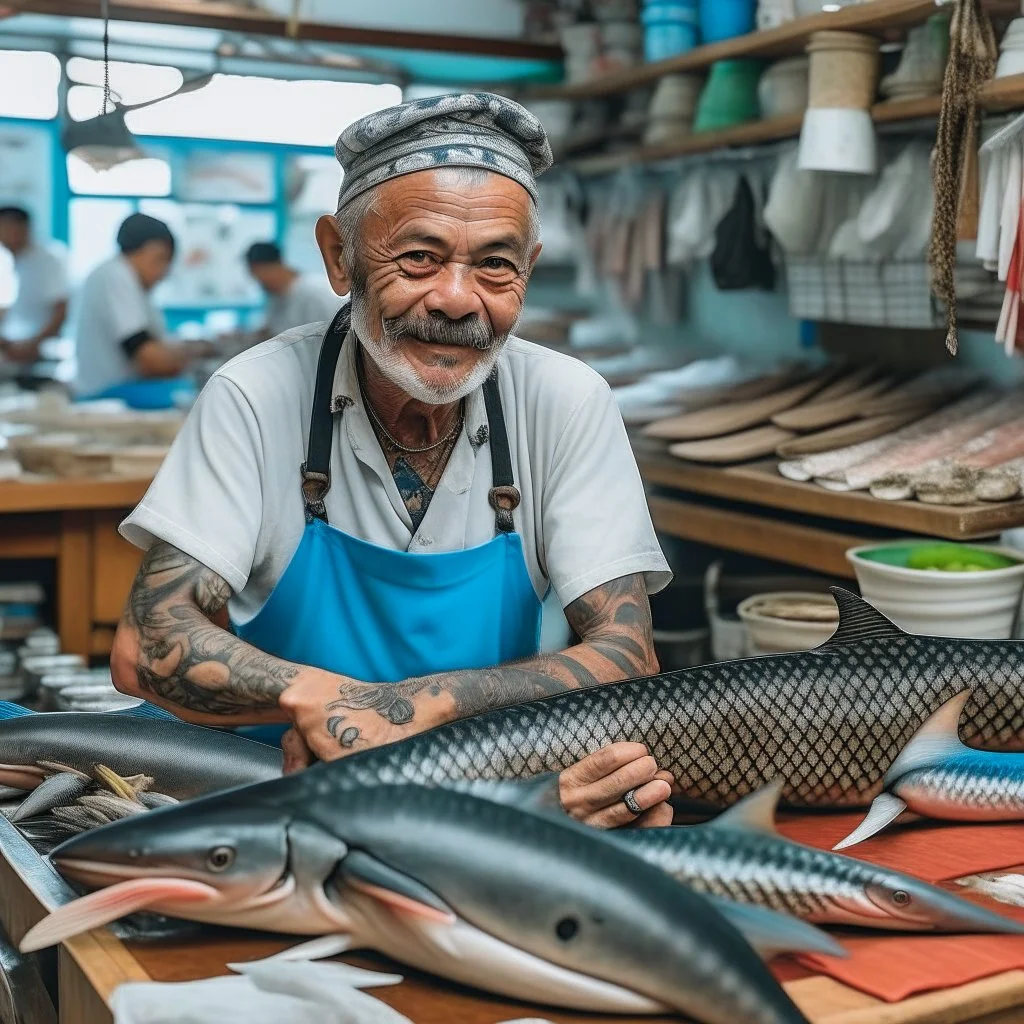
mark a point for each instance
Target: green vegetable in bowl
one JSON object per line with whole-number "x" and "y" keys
{"x": 956, "y": 558}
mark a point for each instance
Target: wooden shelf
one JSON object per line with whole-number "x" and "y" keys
{"x": 999, "y": 95}
{"x": 61, "y": 494}
{"x": 876, "y": 17}
{"x": 760, "y": 484}
{"x": 233, "y": 17}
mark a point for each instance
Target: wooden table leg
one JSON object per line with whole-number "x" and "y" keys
{"x": 74, "y": 582}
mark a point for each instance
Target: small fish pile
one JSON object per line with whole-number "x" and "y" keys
{"x": 67, "y": 802}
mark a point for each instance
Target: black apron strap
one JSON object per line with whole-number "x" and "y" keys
{"x": 504, "y": 496}
{"x": 316, "y": 470}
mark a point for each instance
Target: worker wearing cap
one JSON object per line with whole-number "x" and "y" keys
{"x": 383, "y": 502}
{"x": 120, "y": 336}
{"x": 293, "y": 299}
{"x": 41, "y": 301}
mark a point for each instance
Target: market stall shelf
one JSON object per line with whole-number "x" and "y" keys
{"x": 760, "y": 484}
{"x": 74, "y": 522}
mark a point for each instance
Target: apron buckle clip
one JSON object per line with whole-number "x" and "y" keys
{"x": 504, "y": 501}
{"x": 314, "y": 487}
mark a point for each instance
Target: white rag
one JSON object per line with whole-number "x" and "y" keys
{"x": 269, "y": 992}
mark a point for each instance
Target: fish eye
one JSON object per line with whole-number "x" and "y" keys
{"x": 901, "y": 897}
{"x": 220, "y": 858}
{"x": 567, "y": 928}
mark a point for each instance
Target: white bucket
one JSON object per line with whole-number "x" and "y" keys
{"x": 769, "y": 634}
{"x": 837, "y": 139}
{"x": 970, "y": 605}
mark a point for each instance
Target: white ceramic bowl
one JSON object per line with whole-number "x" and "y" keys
{"x": 768, "y": 634}
{"x": 970, "y": 605}
{"x": 837, "y": 139}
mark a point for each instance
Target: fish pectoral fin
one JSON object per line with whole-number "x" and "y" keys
{"x": 774, "y": 934}
{"x": 320, "y": 948}
{"x": 754, "y": 813}
{"x": 936, "y": 740}
{"x": 858, "y": 621}
{"x": 399, "y": 891}
{"x": 885, "y": 809}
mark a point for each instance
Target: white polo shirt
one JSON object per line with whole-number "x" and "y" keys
{"x": 308, "y": 300}
{"x": 42, "y": 283}
{"x": 229, "y": 491}
{"x": 112, "y": 307}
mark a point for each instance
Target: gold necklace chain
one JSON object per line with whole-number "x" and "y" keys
{"x": 398, "y": 446}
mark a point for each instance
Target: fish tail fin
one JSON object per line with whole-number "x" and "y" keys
{"x": 11, "y": 710}
{"x": 936, "y": 741}
{"x": 773, "y": 934}
{"x": 884, "y": 811}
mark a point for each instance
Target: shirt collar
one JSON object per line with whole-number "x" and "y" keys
{"x": 346, "y": 392}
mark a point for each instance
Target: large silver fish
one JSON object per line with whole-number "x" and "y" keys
{"x": 522, "y": 904}
{"x": 185, "y": 760}
{"x": 936, "y": 776}
{"x": 740, "y": 855}
{"x": 829, "y": 722}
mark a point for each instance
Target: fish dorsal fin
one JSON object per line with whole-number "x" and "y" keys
{"x": 936, "y": 740}
{"x": 859, "y": 621}
{"x": 754, "y": 813}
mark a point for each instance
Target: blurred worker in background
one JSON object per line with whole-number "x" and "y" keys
{"x": 294, "y": 299}
{"x": 121, "y": 339}
{"x": 41, "y": 302}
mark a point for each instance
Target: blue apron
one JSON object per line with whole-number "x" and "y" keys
{"x": 380, "y": 615}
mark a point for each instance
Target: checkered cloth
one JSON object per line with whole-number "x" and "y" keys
{"x": 475, "y": 129}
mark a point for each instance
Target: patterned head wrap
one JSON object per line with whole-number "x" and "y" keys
{"x": 475, "y": 129}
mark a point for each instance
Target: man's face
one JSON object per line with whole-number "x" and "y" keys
{"x": 152, "y": 261}
{"x": 13, "y": 234}
{"x": 267, "y": 275}
{"x": 440, "y": 278}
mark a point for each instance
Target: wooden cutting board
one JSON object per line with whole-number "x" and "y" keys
{"x": 819, "y": 413}
{"x": 849, "y": 433}
{"x": 749, "y": 444}
{"x": 737, "y": 416}
{"x": 851, "y": 380}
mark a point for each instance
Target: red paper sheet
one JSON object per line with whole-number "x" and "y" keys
{"x": 893, "y": 967}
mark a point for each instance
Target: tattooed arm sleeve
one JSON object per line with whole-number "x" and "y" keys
{"x": 612, "y": 622}
{"x": 169, "y": 651}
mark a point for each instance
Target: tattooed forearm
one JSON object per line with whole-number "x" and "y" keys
{"x": 182, "y": 657}
{"x": 613, "y": 624}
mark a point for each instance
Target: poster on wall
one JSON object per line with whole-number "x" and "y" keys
{"x": 210, "y": 176}
{"x": 26, "y": 177}
{"x": 209, "y": 265}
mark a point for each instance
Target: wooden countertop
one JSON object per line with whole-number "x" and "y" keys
{"x": 760, "y": 483}
{"x": 51, "y": 494}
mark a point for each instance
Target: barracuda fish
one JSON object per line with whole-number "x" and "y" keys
{"x": 741, "y": 856}
{"x": 829, "y": 723}
{"x": 936, "y": 776}
{"x": 522, "y": 904}
{"x": 185, "y": 760}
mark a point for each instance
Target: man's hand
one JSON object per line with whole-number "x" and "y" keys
{"x": 334, "y": 716}
{"x": 592, "y": 789}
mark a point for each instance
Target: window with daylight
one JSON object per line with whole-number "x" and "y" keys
{"x": 28, "y": 84}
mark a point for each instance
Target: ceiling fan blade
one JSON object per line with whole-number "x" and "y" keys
{"x": 189, "y": 85}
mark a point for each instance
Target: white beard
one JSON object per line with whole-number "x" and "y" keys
{"x": 397, "y": 369}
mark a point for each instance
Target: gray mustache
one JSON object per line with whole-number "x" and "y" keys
{"x": 470, "y": 332}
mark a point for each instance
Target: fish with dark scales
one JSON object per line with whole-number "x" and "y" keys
{"x": 741, "y": 856}
{"x": 829, "y": 722}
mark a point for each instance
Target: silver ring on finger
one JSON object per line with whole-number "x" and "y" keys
{"x": 630, "y": 801}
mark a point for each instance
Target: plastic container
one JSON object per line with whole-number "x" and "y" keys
{"x": 785, "y": 88}
{"x": 773, "y": 634}
{"x": 726, "y": 19}
{"x": 669, "y": 28}
{"x": 979, "y": 605}
{"x": 838, "y": 140}
{"x": 730, "y": 96}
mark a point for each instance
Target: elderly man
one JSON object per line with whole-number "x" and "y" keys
{"x": 383, "y": 501}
